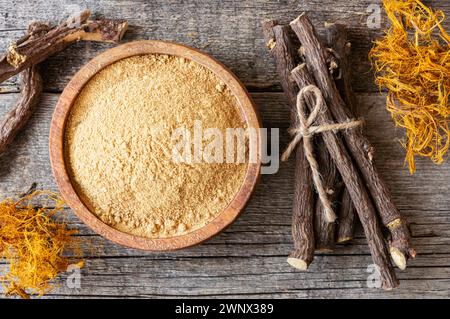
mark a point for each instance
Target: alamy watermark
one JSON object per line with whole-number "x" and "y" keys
{"x": 232, "y": 145}
{"x": 374, "y": 18}
{"x": 73, "y": 280}
{"x": 374, "y": 277}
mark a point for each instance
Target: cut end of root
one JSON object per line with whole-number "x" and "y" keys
{"x": 123, "y": 29}
{"x": 298, "y": 263}
{"x": 271, "y": 44}
{"x": 343, "y": 240}
{"x": 296, "y": 19}
{"x": 396, "y": 223}
{"x": 330, "y": 216}
{"x": 398, "y": 257}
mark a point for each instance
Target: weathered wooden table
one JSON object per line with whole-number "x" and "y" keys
{"x": 248, "y": 259}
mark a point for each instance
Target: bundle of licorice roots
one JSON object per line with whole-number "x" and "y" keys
{"x": 345, "y": 158}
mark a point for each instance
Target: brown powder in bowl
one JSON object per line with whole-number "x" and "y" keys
{"x": 118, "y": 146}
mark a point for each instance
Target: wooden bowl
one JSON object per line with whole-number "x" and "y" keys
{"x": 57, "y": 157}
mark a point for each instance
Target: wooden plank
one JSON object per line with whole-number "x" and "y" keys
{"x": 244, "y": 275}
{"x": 255, "y": 247}
{"x": 229, "y": 30}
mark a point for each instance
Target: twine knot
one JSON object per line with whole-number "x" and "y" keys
{"x": 305, "y": 131}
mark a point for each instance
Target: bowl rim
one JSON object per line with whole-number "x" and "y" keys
{"x": 57, "y": 158}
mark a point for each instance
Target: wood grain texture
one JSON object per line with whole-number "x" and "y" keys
{"x": 223, "y": 267}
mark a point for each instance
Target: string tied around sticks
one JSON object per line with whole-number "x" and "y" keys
{"x": 305, "y": 130}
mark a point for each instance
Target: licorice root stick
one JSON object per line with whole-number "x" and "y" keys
{"x": 31, "y": 50}
{"x": 337, "y": 42}
{"x": 17, "y": 117}
{"x": 324, "y": 231}
{"x": 303, "y": 205}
